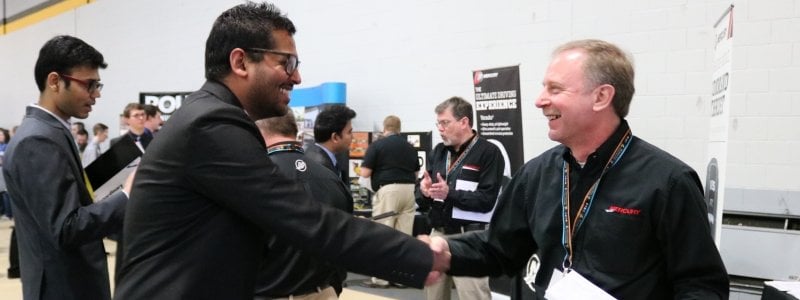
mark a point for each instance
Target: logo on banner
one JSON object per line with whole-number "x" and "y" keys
{"x": 479, "y": 77}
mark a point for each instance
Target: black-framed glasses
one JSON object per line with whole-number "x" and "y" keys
{"x": 91, "y": 85}
{"x": 291, "y": 63}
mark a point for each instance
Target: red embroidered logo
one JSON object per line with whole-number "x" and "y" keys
{"x": 624, "y": 211}
{"x": 475, "y": 168}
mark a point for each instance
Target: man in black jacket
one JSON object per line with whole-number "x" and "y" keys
{"x": 333, "y": 133}
{"x": 286, "y": 271}
{"x": 461, "y": 184}
{"x": 206, "y": 194}
{"x": 639, "y": 233}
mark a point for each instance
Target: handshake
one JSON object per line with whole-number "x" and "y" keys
{"x": 441, "y": 257}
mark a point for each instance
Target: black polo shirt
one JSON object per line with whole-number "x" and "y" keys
{"x": 392, "y": 160}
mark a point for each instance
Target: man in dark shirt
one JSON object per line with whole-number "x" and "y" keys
{"x": 286, "y": 271}
{"x": 639, "y": 233}
{"x": 392, "y": 164}
{"x": 464, "y": 175}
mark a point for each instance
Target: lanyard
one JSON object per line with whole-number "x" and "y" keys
{"x": 285, "y": 147}
{"x": 460, "y": 159}
{"x": 570, "y": 227}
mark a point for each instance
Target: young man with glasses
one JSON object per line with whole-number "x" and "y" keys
{"x": 135, "y": 118}
{"x": 463, "y": 178}
{"x": 59, "y": 228}
{"x": 207, "y": 196}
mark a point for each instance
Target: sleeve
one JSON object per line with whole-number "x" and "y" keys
{"x": 693, "y": 261}
{"x": 53, "y": 196}
{"x": 370, "y": 157}
{"x": 236, "y": 173}
{"x": 489, "y": 178}
{"x": 505, "y": 247}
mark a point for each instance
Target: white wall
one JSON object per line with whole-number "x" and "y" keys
{"x": 405, "y": 57}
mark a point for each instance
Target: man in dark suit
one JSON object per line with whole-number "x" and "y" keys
{"x": 135, "y": 117}
{"x": 58, "y": 226}
{"x": 287, "y": 271}
{"x": 333, "y": 133}
{"x": 206, "y": 195}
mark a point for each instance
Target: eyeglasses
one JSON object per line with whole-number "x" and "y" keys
{"x": 138, "y": 115}
{"x": 291, "y": 63}
{"x": 91, "y": 85}
{"x": 443, "y": 123}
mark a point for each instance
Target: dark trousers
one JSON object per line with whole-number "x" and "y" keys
{"x": 13, "y": 256}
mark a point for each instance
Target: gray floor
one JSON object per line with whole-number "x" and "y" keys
{"x": 356, "y": 282}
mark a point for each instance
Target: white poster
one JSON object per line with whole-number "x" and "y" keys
{"x": 719, "y": 118}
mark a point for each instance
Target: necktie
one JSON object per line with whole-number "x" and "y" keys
{"x": 88, "y": 185}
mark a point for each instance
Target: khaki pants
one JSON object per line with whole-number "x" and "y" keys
{"x": 468, "y": 288}
{"x": 324, "y": 294}
{"x": 397, "y": 197}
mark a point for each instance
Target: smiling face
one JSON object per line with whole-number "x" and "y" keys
{"x": 566, "y": 99}
{"x": 268, "y": 93}
{"x": 76, "y": 100}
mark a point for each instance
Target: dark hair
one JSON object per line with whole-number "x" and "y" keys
{"x": 131, "y": 106}
{"x": 83, "y": 132}
{"x": 247, "y": 25}
{"x": 98, "y": 128}
{"x": 606, "y": 64}
{"x": 150, "y": 110}
{"x": 461, "y": 108}
{"x": 332, "y": 120}
{"x": 79, "y": 124}
{"x": 63, "y": 53}
{"x": 285, "y": 125}
{"x": 5, "y": 134}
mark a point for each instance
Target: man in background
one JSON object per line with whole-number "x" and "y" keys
{"x": 82, "y": 139}
{"x": 391, "y": 163}
{"x": 93, "y": 150}
{"x": 464, "y": 175}
{"x": 287, "y": 272}
{"x": 59, "y": 227}
{"x": 333, "y": 133}
{"x": 134, "y": 117}
{"x": 153, "y": 119}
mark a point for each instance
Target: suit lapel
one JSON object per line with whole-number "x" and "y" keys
{"x": 66, "y": 141}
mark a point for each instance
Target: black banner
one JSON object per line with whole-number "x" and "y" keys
{"x": 167, "y": 102}
{"x": 498, "y": 111}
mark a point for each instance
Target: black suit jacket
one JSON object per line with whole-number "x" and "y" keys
{"x": 59, "y": 229}
{"x": 144, "y": 139}
{"x": 287, "y": 270}
{"x": 317, "y": 154}
{"x": 206, "y": 195}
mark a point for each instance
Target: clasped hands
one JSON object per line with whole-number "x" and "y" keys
{"x": 441, "y": 257}
{"x": 438, "y": 191}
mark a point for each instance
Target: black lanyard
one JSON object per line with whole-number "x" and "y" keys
{"x": 459, "y": 160}
{"x": 285, "y": 147}
{"x": 569, "y": 227}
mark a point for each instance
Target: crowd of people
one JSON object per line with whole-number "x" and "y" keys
{"x": 227, "y": 204}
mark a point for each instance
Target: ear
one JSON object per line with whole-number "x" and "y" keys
{"x": 604, "y": 95}
{"x": 335, "y": 137}
{"x": 237, "y": 60}
{"x": 51, "y": 82}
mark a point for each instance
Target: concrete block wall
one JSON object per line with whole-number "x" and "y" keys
{"x": 403, "y": 58}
